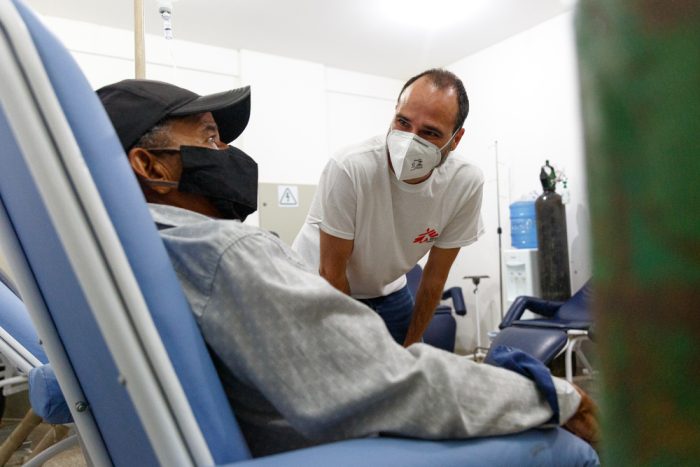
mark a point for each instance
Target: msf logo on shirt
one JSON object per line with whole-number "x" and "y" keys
{"x": 429, "y": 236}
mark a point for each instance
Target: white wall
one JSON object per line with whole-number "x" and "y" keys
{"x": 524, "y": 94}
{"x": 106, "y": 55}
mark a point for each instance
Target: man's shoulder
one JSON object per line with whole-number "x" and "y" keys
{"x": 458, "y": 169}
{"x": 192, "y": 230}
{"x": 366, "y": 153}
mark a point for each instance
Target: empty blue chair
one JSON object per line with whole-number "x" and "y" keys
{"x": 25, "y": 364}
{"x": 442, "y": 328}
{"x": 561, "y": 328}
{"x": 20, "y": 350}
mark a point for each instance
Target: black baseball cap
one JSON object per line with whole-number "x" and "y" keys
{"x": 137, "y": 105}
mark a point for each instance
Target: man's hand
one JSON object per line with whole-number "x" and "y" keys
{"x": 584, "y": 423}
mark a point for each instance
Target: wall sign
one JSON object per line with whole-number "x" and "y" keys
{"x": 288, "y": 196}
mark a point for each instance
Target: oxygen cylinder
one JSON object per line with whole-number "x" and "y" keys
{"x": 552, "y": 242}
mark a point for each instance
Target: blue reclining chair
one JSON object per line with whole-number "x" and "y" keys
{"x": 115, "y": 324}
{"x": 26, "y": 363}
{"x": 442, "y": 328}
{"x": 20, "y": 350}
{"x": 562, "y": 327}
{"x": 19, "y": 345}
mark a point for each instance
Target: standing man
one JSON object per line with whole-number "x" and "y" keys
{"x": 383, "y": 204}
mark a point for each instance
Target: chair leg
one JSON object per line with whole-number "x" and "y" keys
{"x": 53, "y": 436}
{"x": 569, "y": 362}
{"x": 18, "y": 436}
{"x": 47, "y": 454}
{"x": 582, "y": 357}
{"x": 572, "y": 346}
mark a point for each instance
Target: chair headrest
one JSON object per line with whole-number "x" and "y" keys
{"x": 579, "y": 305}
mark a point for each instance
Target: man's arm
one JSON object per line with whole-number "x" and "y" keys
{"x": 329, "y": 365}
{"x": 335, "y": 254}
{"x": 430, "y": 290}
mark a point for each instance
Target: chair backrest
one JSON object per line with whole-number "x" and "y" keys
{"x": 88, "y": 261}
{"x": 577, "y": 308}
{"x": 413, "y": 279}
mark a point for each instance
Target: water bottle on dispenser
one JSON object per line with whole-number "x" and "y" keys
{"x": 520, "y": 263}
{"x": 523, "y": 224}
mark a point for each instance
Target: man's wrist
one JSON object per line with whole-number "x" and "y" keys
{"x": 568, "y": 397}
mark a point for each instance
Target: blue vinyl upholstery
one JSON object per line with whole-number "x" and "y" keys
{"x": 533, "y": 448}
{"x": 46, "y": 398}
{"x": 543, "y": 344}
{"x": 45, "y": 395}
{"x": 571, "y": 314}
{"x": 109, "y": 404}
{"x": 544, "y": 338}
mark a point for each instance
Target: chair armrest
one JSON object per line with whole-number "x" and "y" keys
{"x": 536, "y": 305}
{"x": 46, "y": 398}
{"x": 455, "y": 294}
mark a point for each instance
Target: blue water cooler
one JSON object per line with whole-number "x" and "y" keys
{"x": 523, "y": 224}
{"x": 521, "y": 276}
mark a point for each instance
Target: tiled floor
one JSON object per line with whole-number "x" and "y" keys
{"x": 22, "y": 454}
{"x": 16, "y": 407}
{"x": 70, "y": 458}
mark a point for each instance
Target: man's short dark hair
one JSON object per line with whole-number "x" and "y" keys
{"x": 442, "y": 79}
{"x": 156, "y": 137}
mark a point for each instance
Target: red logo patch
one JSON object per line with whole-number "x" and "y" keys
{"x": 430, "y": 235}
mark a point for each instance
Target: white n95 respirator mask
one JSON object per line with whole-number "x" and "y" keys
{"x": 412, "y": 156}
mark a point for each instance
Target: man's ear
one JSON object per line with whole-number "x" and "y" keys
{"x": 144, "y": 165}
{"x": 457, "y": 139}
{"x": 140, "y": 161}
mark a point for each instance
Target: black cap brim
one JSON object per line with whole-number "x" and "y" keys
{"x": 231, "y": 110}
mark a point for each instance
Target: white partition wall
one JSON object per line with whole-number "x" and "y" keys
{"x": 287, "y": 129}
{"x": 359, "y": 106}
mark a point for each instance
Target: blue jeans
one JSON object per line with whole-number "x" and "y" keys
{"x": 396, "y": 310}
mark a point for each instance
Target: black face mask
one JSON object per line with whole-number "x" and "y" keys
{"x": 227, "y": 177}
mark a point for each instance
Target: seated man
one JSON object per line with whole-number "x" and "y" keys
{"x": 302, "y": 363}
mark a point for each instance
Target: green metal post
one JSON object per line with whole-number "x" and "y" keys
{"x": 639, "y": 64}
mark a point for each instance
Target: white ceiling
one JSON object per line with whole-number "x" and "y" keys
{"x": 393, "y": 38}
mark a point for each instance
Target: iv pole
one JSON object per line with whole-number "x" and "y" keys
{"x": 499, "y": 230}
{"x": 139, "y": 47}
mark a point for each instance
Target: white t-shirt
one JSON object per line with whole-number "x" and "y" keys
{"x": 393, "y": 223}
